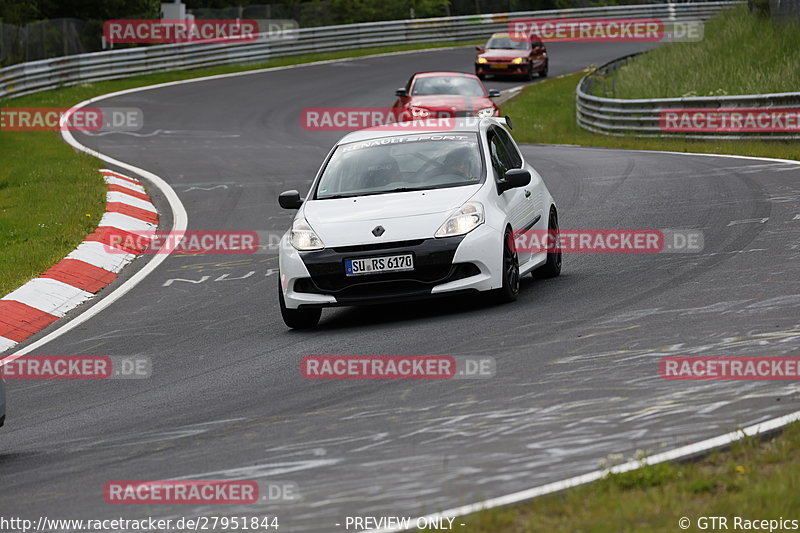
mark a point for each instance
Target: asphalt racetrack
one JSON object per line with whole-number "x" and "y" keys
{"x": 577, "y": 356}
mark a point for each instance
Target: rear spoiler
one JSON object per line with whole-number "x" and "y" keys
{"x": 506, "y": 121}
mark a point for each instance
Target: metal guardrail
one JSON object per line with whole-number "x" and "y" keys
{"x": 34, "y": 76}
{"x": 642, "y": 117}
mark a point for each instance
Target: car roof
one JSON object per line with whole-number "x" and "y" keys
{"x": 434, "y": 73}
{"x": 459, "y": 125}
{"x": 530, "y": 36}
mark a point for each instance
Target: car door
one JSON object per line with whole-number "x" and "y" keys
{"x": 513, "y": 201}
{"x": 534, "y": 191}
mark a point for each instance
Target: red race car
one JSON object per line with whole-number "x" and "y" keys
{"x": 512, "y": 55}
{"x": 444, "y": 95}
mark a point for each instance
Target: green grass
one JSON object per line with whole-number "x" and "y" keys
{"x": 52, "y": 197}
{"x": 754, "y": 479}
{"x": 739, "y": 54}
{"x": 545, "y": 113}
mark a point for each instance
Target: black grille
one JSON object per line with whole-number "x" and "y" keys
{"x": 385, "y": 288}
{"x": 377, "y": 246}
{"x": 433, "y": 265}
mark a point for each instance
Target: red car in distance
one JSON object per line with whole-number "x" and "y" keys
{"x": 512, "y": 55}
{"x": 444, "y": 95}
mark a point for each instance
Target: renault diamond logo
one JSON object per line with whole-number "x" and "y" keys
{"x": 378, "y": 231}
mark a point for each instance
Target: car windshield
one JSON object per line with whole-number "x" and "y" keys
{"x": 447, "y": 85}
{"x": 402, "y": 163}
{"x": 507, "y": 43}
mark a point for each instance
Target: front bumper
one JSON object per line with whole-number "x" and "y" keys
{"x": 441, "y": 266}
{"x": 508, "y": 69}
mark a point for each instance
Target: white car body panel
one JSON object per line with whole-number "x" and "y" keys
{"x": 405, "y": 215}
{"x": 417, "y": 215}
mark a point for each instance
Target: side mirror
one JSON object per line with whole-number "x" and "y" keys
{"x": 401, "y": 92}
{"x": 480, "y": 49}
{"x": 516, "y": 177}
{"x": 494, "y": 93}
{"x": 290, "y": 200}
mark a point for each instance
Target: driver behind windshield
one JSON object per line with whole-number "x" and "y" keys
{"x": 462, "y": 162}
{"x": 507, "y": 43}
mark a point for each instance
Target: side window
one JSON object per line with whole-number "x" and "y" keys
{"x": 515, "y": 160}
{"x": 500, "y": 159}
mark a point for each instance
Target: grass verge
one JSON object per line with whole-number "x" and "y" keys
{"x": 739, "y": 54}
{"x": 545, "y": 113}
{"x": 753, "y": 480}
{"x": 51, "y": 197}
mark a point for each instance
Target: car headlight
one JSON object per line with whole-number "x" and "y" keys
{"x": 420, "y": 112}
{"x": 517, "y": 60}
{"x": 303, "y": 237}
{"x": 482, "y": 60}
{"x": 485, "y": 112}
{"x": 465, "y": 219}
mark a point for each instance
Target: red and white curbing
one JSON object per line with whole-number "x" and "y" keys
{"x": 80, "y": 275}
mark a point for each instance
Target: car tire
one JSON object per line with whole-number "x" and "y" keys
{"x": 529, "y": 76}
{"x": 543, "y": 72}
{"x": 481, "y": 76}
{"x": 552, "y": 267}
{"x": 510, "y": 289}
{"x": 297, "y": 318}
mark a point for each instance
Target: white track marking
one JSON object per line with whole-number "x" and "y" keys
{"x": 128, "y": 189}
{"x": 49, "y": 295}
{"x": 111, "y": 180}
{"x": 684, "y": 452}
{"x": 100, "y": 255}
{"x": 5, "y": 343}
{"x": 126, "y": 223}
{"x": 113, "y": 196}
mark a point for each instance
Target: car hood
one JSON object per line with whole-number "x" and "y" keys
{"x": 404, "y": 215}
{"x": 453, "y": 102}
{"x": 499, "y": 53}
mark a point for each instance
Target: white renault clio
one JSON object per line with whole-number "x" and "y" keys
{"x": 413, "y": 211}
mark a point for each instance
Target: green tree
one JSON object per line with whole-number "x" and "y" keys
{"x": 18, "y": 12}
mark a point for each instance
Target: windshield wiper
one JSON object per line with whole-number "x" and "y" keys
{"x": 373, "y": 193}
{"x": 337, "y": 196}
{"x": 404, "y": 189}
